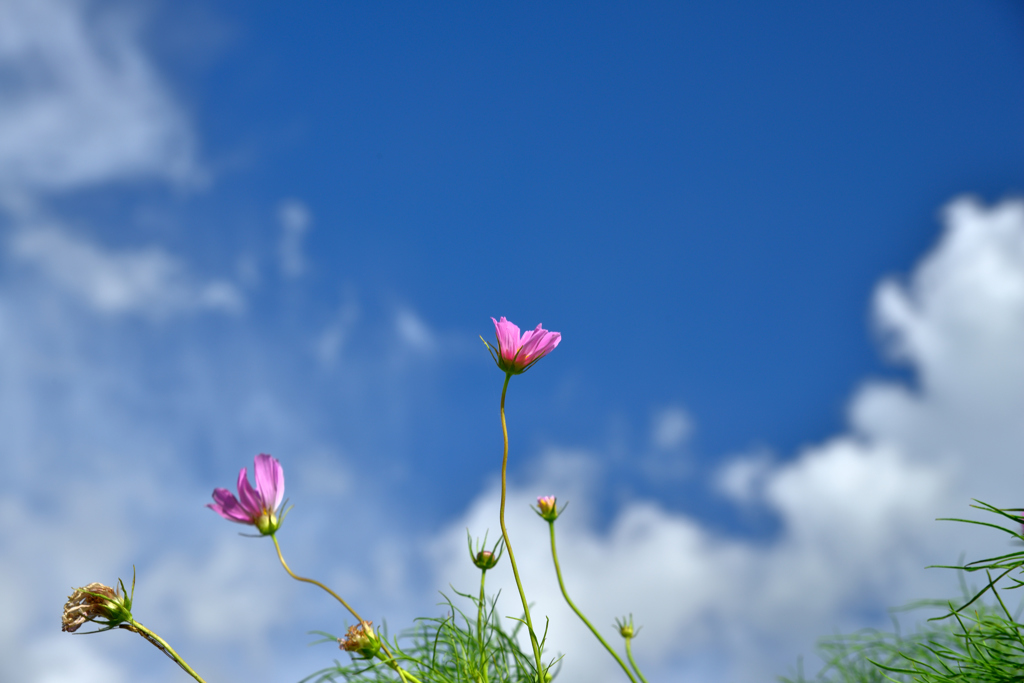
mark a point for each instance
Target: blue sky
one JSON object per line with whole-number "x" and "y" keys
{"x": 781, "y": 245}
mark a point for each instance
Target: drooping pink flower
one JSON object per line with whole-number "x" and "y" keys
{"x": 260, "y": 507}
{"x": 516, "y": 354}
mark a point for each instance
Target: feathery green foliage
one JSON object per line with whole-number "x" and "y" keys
{"x": 449, "y": 649}
{"x": 982, "y": 644}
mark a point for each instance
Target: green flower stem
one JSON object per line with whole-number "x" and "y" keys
{"x": 390, "y": 661}
{"x": 508, "y": 544}
{"x": 480, "y": 628}
{"x": 313, "y": 581}
{"x": 161, "y": 644}
{"x": 565, "y": 594}
{"x": 632, "y": 662}
{"x": 388, "y": 658}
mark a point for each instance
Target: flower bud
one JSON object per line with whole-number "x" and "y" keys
{"x": 626, "y": 629}
{"x": 548, "y": 508}
{"x": 485, "y": 559}
{"x": 97, "y": 603}
{"x": 361, "y": 639}
{"x": 481, "y": 557}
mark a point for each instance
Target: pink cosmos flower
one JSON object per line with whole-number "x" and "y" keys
{"x": 260, "y": 507}
{"x": 516, "y": 354}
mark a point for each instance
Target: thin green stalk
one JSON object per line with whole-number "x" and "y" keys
{"x": 565, "y": 594}
{"x": 480, "y": 627}
{"x": 388, "y": 658}
{"x": 508, "y": 544}
{"x": 632, "y": 662}
{"x": 162, "y": 645}
{"x": 334, "y": 595}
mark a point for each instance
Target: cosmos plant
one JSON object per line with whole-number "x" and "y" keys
{"x": 475, "y": 646}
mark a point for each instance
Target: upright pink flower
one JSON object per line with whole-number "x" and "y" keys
{"x": 260, "y": 507}
{"x": 516, "y": 354}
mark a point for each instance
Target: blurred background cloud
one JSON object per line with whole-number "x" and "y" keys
{"x": 147, "y": 281}
{"x": 778, "y": 367}
{"x": 82, "y": 102}
{"x": 672, "y": 427}
{"x": 295, "y": 219}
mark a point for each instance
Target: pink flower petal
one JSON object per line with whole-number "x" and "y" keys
{"x": 548, "y": 344}
{"x": 247, "y": 497}
{"x": 537, "y": 344}
{"x": 269, "y": 481}
{"x": 508, "y": 338}
{"x": 227, "y": 507}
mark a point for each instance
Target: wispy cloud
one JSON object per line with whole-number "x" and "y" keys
{"x": 295, "y": 220}
{"x": 670, "y": 428}
{"x": 83, "y": 107}
{"x": 330, "y": 343}
{"x": 82, "y": 104}
{"x": 146, "y": 281}
{"x": 742, "y": 479}
{"x": 413, "y": 332}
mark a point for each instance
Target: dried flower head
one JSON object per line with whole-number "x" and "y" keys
{"x": 360, "y": 639}
{"x": 97, "y": 603}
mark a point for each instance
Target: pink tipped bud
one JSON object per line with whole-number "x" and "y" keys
{"x": 485, "y": 559}
{"x": 548, "y": 507}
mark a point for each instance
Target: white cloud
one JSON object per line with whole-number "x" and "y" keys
{"x": 413, "y": 331}
{"x": 94, "y": 484}
{"x": 330, "y": 343}
{"x": 295, "y": 221}
{"x": 82, "y": 105}
{"x": 670, "y": 428}
{"x": 201, "y": 595}
{"x": 323, "y": 472}
{"x": 148, "y": 281}
{"x": 55, "y": 660}
{"x": 856, "y": 512}
{"x": 742, "y": 479}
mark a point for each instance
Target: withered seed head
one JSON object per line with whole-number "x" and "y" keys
{"x": 361, "y": 639}
{"x": 95, "y": 602}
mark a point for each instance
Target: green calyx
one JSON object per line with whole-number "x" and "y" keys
{"x": 626, "y": 628}
{"x": 268, "y": 523}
